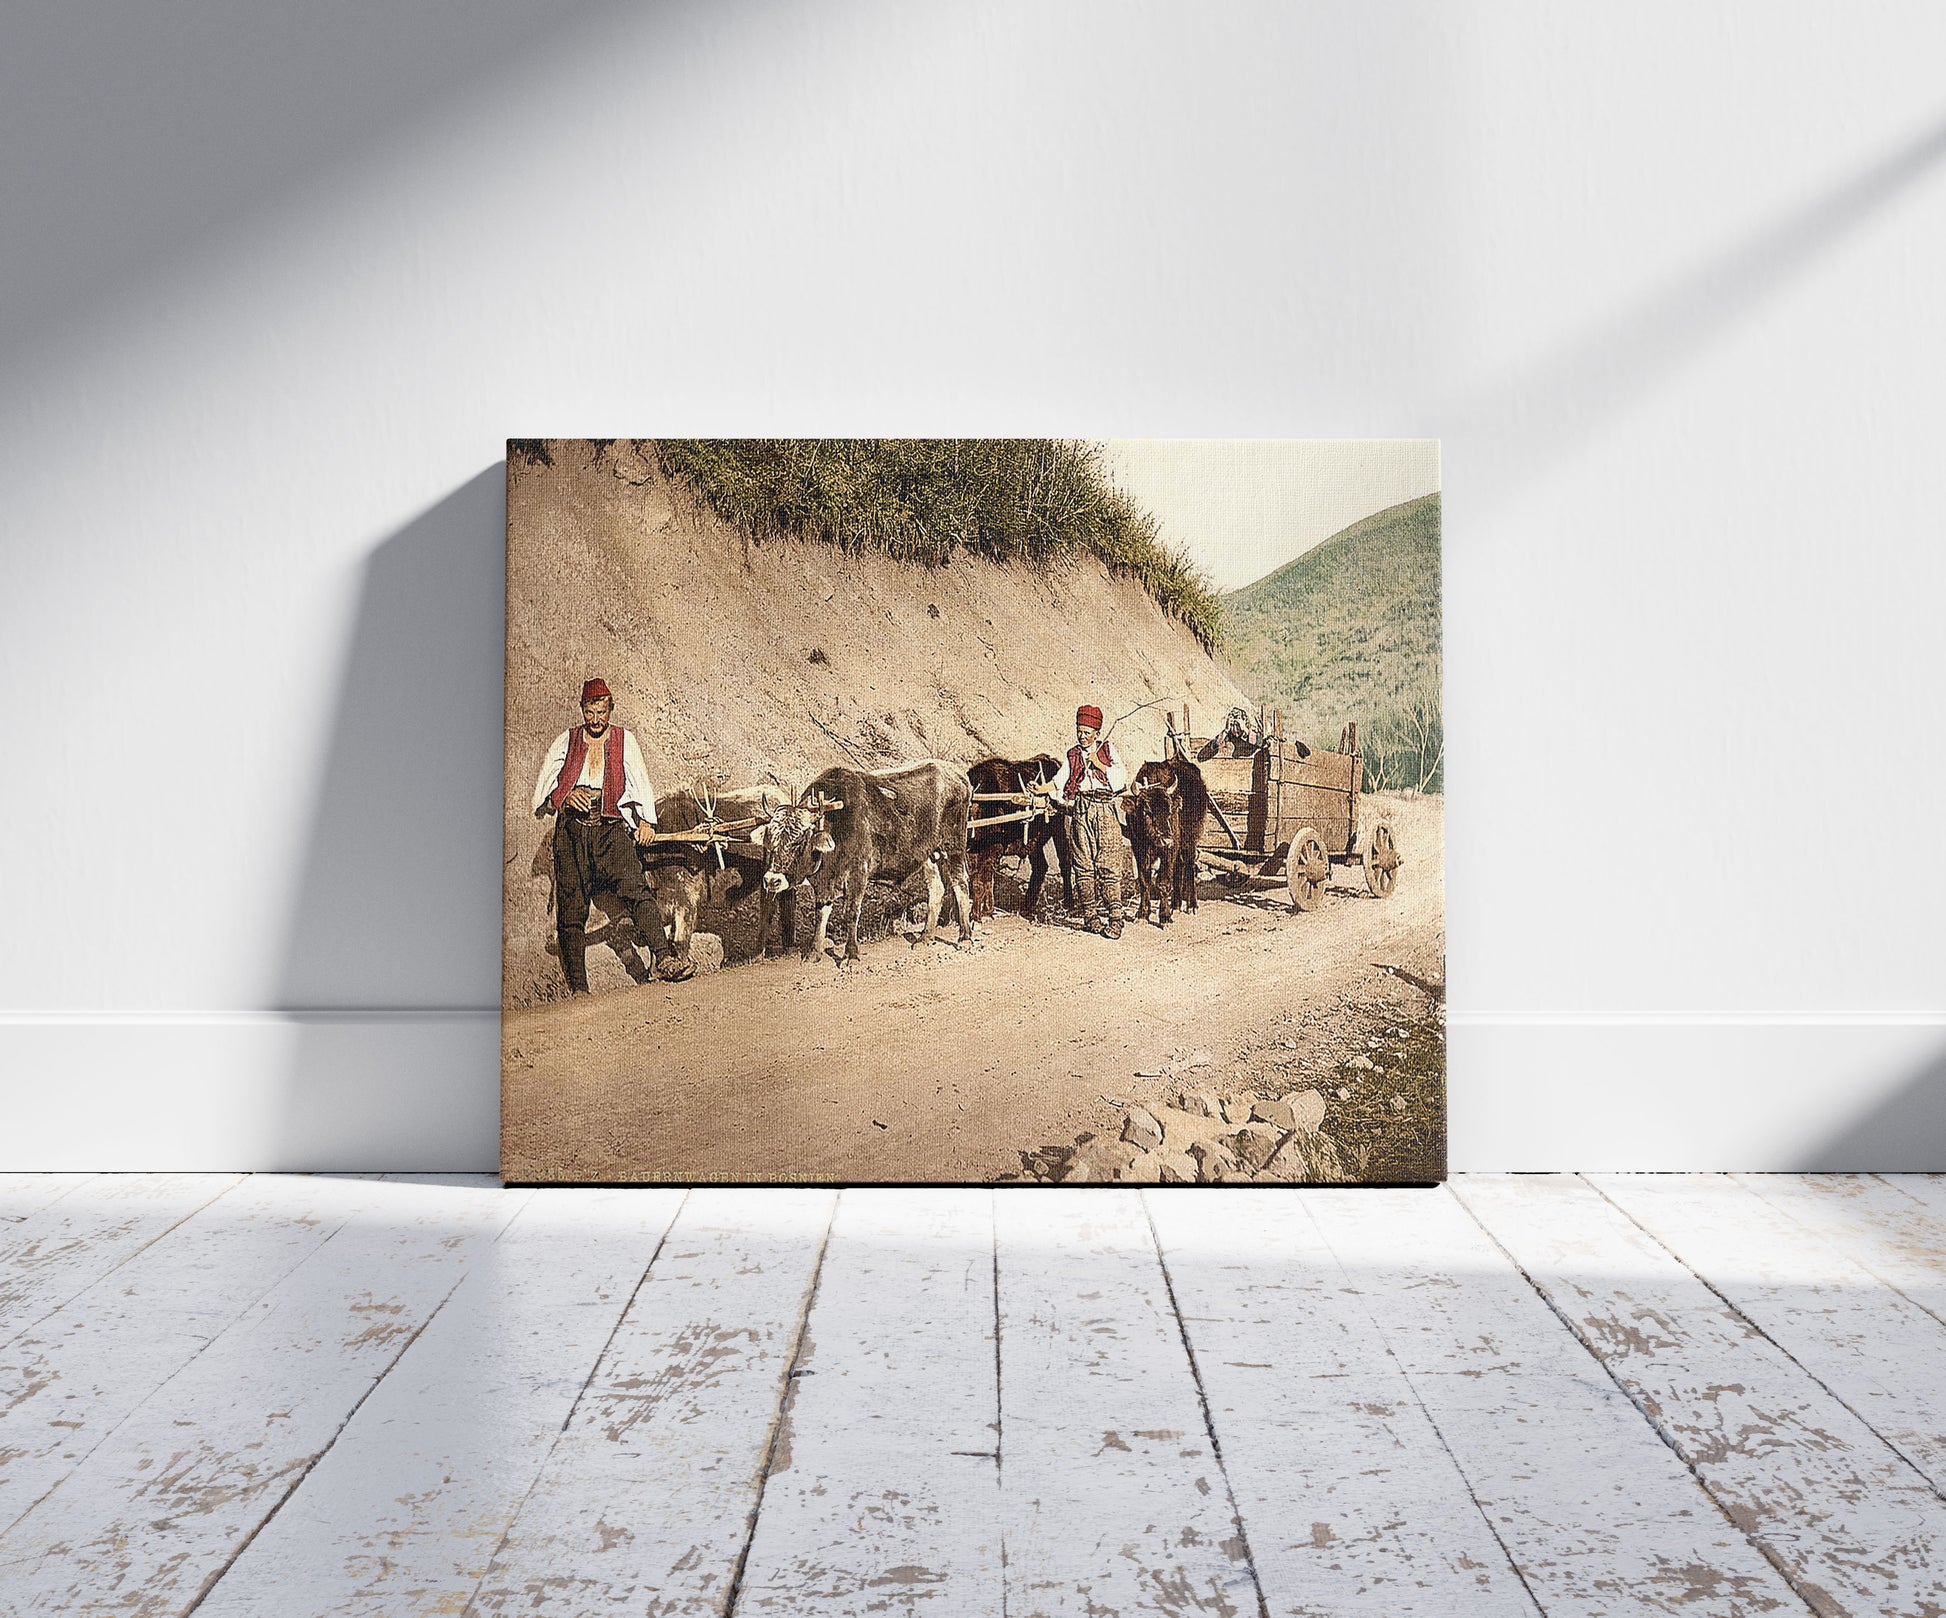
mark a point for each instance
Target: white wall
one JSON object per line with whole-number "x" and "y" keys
{"x": 278, "y": 283}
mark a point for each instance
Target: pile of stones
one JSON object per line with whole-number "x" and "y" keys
{"x": 1198, "y": 1138}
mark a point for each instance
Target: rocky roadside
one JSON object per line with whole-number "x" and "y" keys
{"x": 1354, "y": 1093}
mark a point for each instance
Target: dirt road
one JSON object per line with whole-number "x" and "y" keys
{"x": 945, "y": 1063}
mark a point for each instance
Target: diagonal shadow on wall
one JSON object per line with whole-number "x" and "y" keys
{"x": 1548, "y": 411}
{"x": 135, "y": 138}
{"x": 1905, "y": 1134}
{"x": 391, "y": 963}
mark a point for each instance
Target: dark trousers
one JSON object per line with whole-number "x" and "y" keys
{"x": 594, "y": 856}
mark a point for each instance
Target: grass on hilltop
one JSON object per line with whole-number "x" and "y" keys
{"x": 929, "y": 500}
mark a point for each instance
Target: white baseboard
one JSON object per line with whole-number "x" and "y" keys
{"x": 250, "y": 1090}
{"x": 1757, "y": 1092}
{"x": 420, "y": 1090}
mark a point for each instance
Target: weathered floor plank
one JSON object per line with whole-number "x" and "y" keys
{"x": 1894, "y": 1224}
{"x": 645, "y": 1504}
{"x": 884, "y": 1492}
{"x": 1847, "y": 1518}
{"x": 23, "y": 1194}
{"x": 1351, "y": 1502}
{"x": 155, "y": 1513}
{"x": 347, "y": 1397}
{"x": 1112, "y": 1496}
{"x": 72, "y": 1378}
{"x": 1926, "y": 1189}
{"x": 403, "y": 1514}
{"x": 1597, "y": 1513}
{"x": 1875, "y": 1350}
{"x": 63, "y": 1247}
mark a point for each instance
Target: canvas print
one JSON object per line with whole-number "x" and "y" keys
{"x": 983, "y": 811}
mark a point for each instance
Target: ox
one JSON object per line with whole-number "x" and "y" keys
{"x": 855, "y": 827}
{"x": 686, "y": 877}
{"x": 1166, "y": 807}
{"x": 1029, "y": 837}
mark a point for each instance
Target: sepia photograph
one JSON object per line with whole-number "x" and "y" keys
{"x": 973, "y": 811}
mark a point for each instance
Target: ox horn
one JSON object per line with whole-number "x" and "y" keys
{"x": 1170, "y": 787}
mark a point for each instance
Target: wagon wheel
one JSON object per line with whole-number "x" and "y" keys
{"x": 1382, "y": 860}
{"x": 1307, "y": 867}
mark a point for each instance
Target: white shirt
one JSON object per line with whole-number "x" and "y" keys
{"x": 638, "y": 802}
{"x": 1093, "y": 776}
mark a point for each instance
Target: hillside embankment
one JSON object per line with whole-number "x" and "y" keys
{"x": 738, "y": 661}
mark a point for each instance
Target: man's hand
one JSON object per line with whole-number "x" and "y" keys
{"x": 644, "y": 833}
{"x": 581, "y": 800}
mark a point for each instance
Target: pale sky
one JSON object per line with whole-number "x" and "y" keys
{"x": 1244, "y": 507}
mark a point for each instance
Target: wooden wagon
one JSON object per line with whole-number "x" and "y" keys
{"x": 1280, "y": 809}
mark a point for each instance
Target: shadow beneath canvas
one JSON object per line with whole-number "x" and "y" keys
{"x": 392, "y": 953}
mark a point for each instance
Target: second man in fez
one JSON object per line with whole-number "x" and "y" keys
{"x": 1091, "y": 780}
{"x": 594, "y": 779}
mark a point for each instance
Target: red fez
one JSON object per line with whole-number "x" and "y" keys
{"x": 596, "y": 688}
{"x": 1088, "y": 714}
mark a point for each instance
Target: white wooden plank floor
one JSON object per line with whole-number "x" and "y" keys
{"x": 1519, "y": 1395}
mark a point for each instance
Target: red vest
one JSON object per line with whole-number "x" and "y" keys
{"x": 1077, "y": 776}
{"x": 611, "y": 770}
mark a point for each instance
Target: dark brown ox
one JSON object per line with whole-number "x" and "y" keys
{"x": 687, "y": 876}
{"x": 851, "y": 828}
{"x": 986, "y": 845}
{"x": 1165, "y": 809}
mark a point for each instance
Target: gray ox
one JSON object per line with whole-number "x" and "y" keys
{"x": 855, "y": 827}
{"x": 686, "y": 877}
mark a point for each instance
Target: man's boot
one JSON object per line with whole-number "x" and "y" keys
{"x": 663, "y": 959}
{"x": 1085, "y": 899}
{"x": 574, "y": 957}
{"x": 1111, "y": 905}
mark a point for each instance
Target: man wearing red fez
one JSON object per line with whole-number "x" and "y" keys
{"x": 593, "y": 777}
{"x": 1088, "y": 787}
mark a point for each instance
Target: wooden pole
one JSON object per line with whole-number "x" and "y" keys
{"x": 1004, "y": 820}
{"x": 1357, "y": 774}
{"x": 696, "y": 837}
{"x": 1277, "y": 765}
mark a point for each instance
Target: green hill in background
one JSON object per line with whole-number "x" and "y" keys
{"x": 1350, "y": 631}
